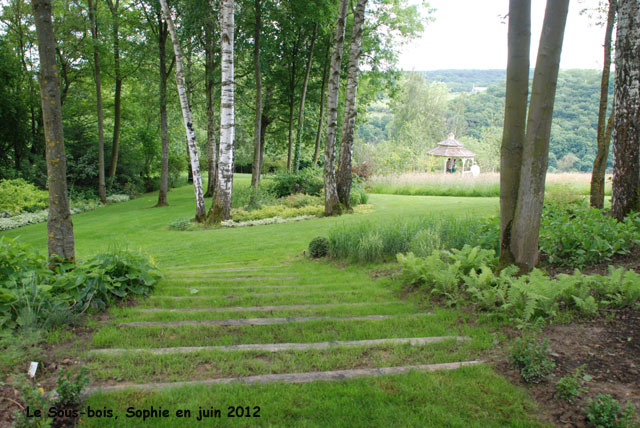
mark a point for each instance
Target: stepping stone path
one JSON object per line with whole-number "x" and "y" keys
{"x": 352, "y": 316}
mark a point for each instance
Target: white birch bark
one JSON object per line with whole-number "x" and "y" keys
{"x": 221, "y": 208}
{"x": 626, "y": 122}
{"x": 331, "y": 203}
{"x": 344, "y": 177}
{"x": 186, "y": 115}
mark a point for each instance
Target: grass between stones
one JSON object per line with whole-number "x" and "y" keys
{"x": 225, "y": 266}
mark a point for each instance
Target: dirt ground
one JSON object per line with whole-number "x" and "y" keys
{"x": 609, "y": 348}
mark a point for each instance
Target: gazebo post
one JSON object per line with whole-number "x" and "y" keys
{"x": 444, "y": 170}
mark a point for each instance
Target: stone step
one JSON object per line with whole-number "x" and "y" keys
{"x": 286, "y": 377}
{"x": 264, "y": 308}
{"x": 237, "y": 279}
{"x": 254, "y": 321}
{"x": 237, "y": 296}
{"x": 275, "y": 347}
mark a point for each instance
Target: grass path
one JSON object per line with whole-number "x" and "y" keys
{"x": 259, "y": 273}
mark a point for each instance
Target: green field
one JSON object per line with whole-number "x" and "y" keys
{"x": 223, "y": 269}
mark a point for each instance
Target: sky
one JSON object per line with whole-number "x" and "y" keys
{"x": 471, "y": 34}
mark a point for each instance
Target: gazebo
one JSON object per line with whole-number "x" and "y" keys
{"x": 452, "y": 149}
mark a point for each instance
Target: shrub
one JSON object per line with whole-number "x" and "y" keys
{"x": 117, "y": 198}
{"x": 248, "y": 198}
{"x": 606, "y": 412}
{"x": 275, "y": 211}
{"x": 33, "y": 296}
{"x": 572, "y": 234}
{"x": 69, "y": 389}
{"x": 300, "y": 200}
{"x": 532, "y": 358}
{"x": 318, "y": 247}
{"x": 18, "y": 196}
{"x": 570, "y": 386}
{"x": 308, "y": 181}
{"x": 467, "y": 276}
{"x": 183, "y": 223}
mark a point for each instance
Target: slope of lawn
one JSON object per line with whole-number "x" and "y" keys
{"x": 231, "y": 274}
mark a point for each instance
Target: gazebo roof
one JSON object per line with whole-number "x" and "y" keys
{"x": 451, "y": 148}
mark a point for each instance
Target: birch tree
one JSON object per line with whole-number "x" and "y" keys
{"x": 344, "y": 177}
{"x": 604, "y": 126}
{"x": 221, "y": 207}
{"x": 93, "y": 20}
{"x": 212, "y": 141}
{"x": 626, "y": 125}
{"x": 186, "y": 115}
{"x": 59, "y": 225}
{"x": 524, "y": 228}
{"x": 331, "y": 202}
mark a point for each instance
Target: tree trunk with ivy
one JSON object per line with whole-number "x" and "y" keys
{"x": 316, "y": 151}
{"x": 626, "y": 124}
{"x": 604, "y": 125}
{"x": 221, "y": 208}
{"x": 344, "y": 176}
{"x": 331, "y": 201}
{"x": 212, "y": 141}
{"x": 186, "y": 115}
{"x": 59, "y": 224}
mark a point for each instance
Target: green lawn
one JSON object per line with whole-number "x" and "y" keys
{"x": 230, "y": 269}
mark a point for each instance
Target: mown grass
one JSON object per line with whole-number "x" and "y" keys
{"x": 471, "y": 397}
{"x": 485, "y": 185}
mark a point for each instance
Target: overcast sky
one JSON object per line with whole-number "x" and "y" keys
{"x": 469, "y": 34}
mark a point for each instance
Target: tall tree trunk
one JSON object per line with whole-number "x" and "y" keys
{"x": 163, "y": 33}
{"x": 298, "y": 148}
{"x": 626, "y": 123}
{"x": 344, "y": 176}
{"x": 515, "y": 119}
{"x": 331, "y": 202}
{"x": 221, "y": 208}
{"x": 535, "y": 153}
{"x": 186, "y": 115}
{"x": 292, "y": 97}
{"x": 59, "y": 225}
{"x": 115, "y": 146}
{"x": 102, "y": 188}
{"x": 212, "y": 145}
{"x": 316, "y": 152}
{"x": 266, "y": 120}
{"x": 600, "y": 162}
{"x": 256, "y": 167}
{"x": 189, "y": 88}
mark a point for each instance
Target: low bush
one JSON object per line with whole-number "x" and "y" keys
{"x": 183, "y": 223}
{"x": 605, "y": 412}
{"x": 34, "y": 296}
{"x": 117, "y": 198}
{"x": 19, "y": 196}
{"x": 570, "y": 387}
{"x": 572, "y": 234}
{"x": 318, "y": 247}
{"x": 308, "y": 181}
{"x": 369, "y": 241}
{"x": 532, "y": 358}
{"x": 247, "y": 198}
{"x": 281, "y": 211}
{"x": 467, "y": 277}
{"x": 300, "y": 200}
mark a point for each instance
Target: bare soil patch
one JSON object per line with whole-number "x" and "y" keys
{"x": 609, "y": 347}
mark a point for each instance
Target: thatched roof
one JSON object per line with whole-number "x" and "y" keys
{"x": 451, "y": 148}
